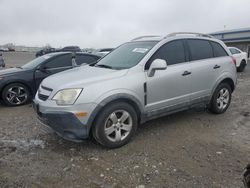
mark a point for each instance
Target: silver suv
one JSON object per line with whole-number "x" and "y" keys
{"x": 143, "y": 79}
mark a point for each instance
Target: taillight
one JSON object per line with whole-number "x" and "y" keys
{"x": 234, "y": 60}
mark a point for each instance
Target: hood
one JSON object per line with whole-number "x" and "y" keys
{"x": 81, "y": 76}
{"x": 10, "y": 71}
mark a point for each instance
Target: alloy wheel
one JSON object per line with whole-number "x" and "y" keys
{"x": 118, "y": 125}
{"x": 223, "y": 98}
{"x": 16, "y": 95}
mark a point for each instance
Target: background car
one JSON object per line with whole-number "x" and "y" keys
{"x": 2, "y": 49}
{"x": 2, "y": 63}
{"x": 45, "y": 51}
{"x": 241, "y": 58}
{"x": 18, "y": 85}
{"x": 102, "y": 51}
{"x": 70, "y": 49}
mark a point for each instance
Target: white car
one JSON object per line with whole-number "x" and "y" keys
{"x": 241, "y": 58}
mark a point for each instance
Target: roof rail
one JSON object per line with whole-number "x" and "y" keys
{"x": 189, "y": 33}
{"x": 147, "y": 36}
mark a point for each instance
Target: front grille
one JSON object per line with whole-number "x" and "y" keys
{"x": 43, "y": 97}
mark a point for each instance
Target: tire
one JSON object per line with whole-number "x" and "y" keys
{"x": 221, "y": 99}
{"x": 242, "y": 66}
{"x": 110, "y": 130}
{"x": 16, "y": 94}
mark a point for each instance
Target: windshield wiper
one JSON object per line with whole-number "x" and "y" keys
{"x": 104, "y": 66}
{"x": 20, "y": 67}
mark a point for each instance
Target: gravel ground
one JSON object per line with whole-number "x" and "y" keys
{"x": 188, "y": 149}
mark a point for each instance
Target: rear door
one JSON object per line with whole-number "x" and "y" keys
{"x": 205, "y": 66}
{"x": 56, "y": 64}
{"x": 169, "y": 89}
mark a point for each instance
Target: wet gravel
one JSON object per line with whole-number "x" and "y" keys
{"x": 188, "y": 149}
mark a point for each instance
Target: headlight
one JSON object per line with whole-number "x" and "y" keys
{"x": 67, "y": 96}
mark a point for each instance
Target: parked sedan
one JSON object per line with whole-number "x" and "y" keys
{"x": 18, "y": 85}
{"x": 241, "y": 58}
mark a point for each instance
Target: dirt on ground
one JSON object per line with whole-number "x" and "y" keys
{"x": 188, "y": 149}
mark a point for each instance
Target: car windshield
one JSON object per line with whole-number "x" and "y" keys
{"x": 35, "y": 62}
{"x": 127, "y": 55}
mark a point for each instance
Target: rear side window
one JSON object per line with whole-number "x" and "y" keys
{"x": 80, "y": 59}
{"x": 219, "y": 51}
{"x": 59, "y": 61}
{"x": 200, "y": 49}
{"x": 173, "y": 52}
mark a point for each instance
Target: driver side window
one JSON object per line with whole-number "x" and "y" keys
{"x": 173, "y": 52}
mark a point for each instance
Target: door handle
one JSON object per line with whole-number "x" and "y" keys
{"x": 186, "y": 73}
{"x": 216, "y": 66}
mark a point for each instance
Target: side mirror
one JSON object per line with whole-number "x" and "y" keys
{"x": 157, "y": 64}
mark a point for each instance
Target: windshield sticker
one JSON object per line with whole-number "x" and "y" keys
{"x": 140, "y": 50}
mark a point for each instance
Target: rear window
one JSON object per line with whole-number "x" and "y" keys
{"x": 200, "y": 49}
{"x": 219, "y": 51}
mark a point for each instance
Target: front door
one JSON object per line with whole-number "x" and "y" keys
{"x": 169, "y": 89}
{"x": 56, "y": 64}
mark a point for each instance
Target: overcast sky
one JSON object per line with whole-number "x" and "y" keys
{"x": 108, "y": 23}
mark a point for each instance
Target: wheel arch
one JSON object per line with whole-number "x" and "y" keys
{"x": 227, "y": 80}
{"x": 131, "y": 100}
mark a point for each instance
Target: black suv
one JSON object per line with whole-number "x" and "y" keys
{"x": 18, "y": 85}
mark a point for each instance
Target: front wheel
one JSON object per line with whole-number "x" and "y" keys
{"x": 16, "y": 94}
{"x": 221, "y": 99}
{"x": 115, "y": 125}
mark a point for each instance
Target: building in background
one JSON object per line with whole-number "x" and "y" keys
{"x": 239, "y": 38}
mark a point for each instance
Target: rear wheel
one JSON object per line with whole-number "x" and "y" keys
{"x": 16, "y": 94}
{"x": 115, "y": 125}
{"x": 242, "y": 66}
{"x": 221, "y": 99}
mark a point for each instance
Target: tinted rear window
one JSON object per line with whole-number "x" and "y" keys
{"x": 200, "y": 49}
{"x": 218, "y": 50}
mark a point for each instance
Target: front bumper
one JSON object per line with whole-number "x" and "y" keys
{"x": 64, "y": 121}
{"x": 65, "y": 124}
